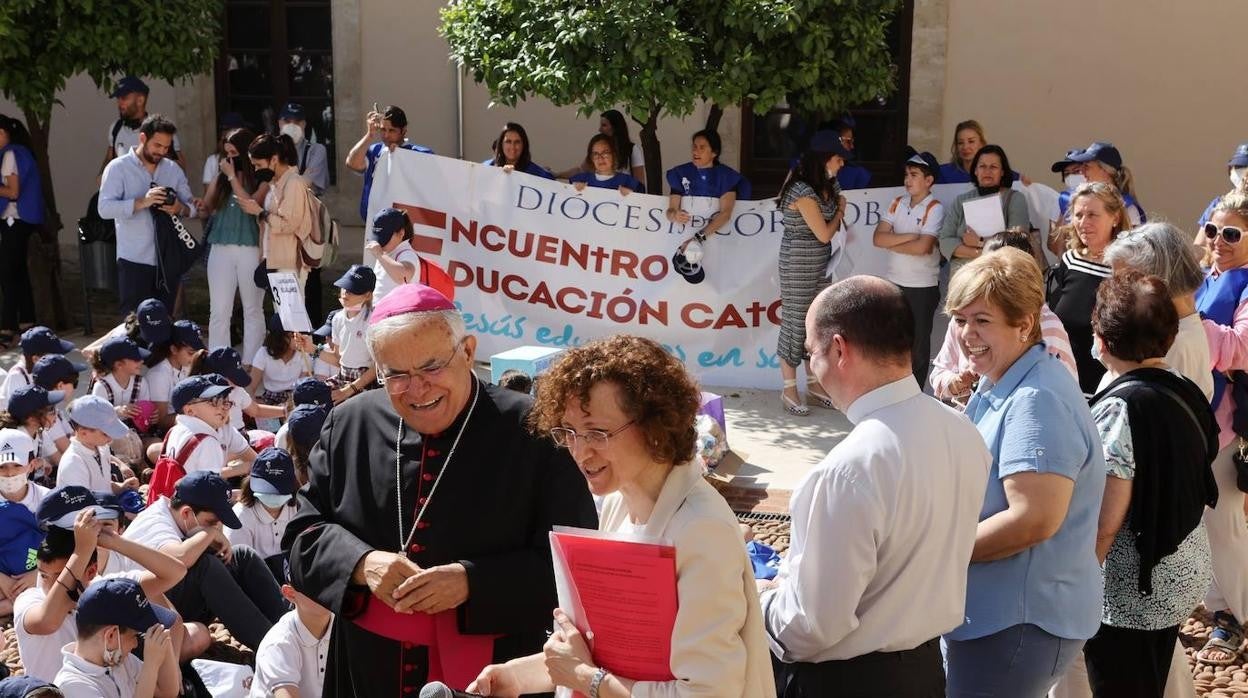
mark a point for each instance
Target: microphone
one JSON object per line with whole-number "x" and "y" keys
{"x": 437, "y": 689}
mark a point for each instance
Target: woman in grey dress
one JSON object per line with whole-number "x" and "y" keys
{"x": 813, "y": 207}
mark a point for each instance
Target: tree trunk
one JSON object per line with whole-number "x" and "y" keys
{"x": 713, "y": 116}
{"x": 653, "y": 153}
{"x": 44, "y": 260}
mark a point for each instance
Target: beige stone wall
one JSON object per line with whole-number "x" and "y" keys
{"x": 1161, "y": 79}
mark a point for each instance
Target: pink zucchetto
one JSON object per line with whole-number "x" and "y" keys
{"x": 410, "y": 298}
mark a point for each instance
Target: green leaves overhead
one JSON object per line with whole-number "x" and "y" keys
{"x": 43, "y": 43}
{"x": 822, "y": 55}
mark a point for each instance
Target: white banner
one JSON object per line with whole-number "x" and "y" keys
{"x": 537, "y": 263}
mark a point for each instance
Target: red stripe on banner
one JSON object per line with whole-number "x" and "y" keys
{"x": 426, "y": 244}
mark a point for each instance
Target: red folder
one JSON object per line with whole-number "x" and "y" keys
{"x": 622, "y": 588}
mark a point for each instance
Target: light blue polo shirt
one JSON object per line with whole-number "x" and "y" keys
{"x": 1036, "y": 420}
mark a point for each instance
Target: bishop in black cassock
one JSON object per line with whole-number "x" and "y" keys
{"x": 478, "y": 497}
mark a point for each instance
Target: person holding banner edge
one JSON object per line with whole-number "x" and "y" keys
{"x": 511, "y": 152}
{"x": 813, "y": 212}
{"x": 625, "y": 409}
{"x": 705, "y": 175}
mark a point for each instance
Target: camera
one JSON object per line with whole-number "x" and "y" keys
{"x": 170, "y": 196}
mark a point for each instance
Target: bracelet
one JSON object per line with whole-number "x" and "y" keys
{"x": 72, "y": 593}
{"x": 596, "y": 682}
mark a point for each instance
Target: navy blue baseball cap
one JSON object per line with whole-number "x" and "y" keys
{"x": 40, "y": 340}
{"x": 194, "y": 388}
{"x": 227, "y": 362}
{"x": 303, "y": 425}
{"x": 121, "y": 601}
{"x": 187, "y": 334}
{"x": 29, "y": 399}
{"x": 828, "y": 141}
{"x": 292, "y": 111}
{"x": 119, "y": 349}
{"x": 1240, "y": 157}
{"x": 1099, "y": 151}
{"x": 312, "y": 391}
{"x": 1066, "y": 161}
{"x": 19, "y": 538}
{"x": 60, "y": 507}
{"x": 327, "y": 330}
{"x": 273, "y": 472}
{"x": 155, "y": 324}
{"x": 22, "y": 686}
{"x": 927, "y": 162}
{"x": 359, "y": 279}
{"x": 274, "y": 323}
{"x": 206, "y": 490}
{"x": 387, "y": 222}
{"x": 127, "y": 85}
{"x": 53, "y": 369}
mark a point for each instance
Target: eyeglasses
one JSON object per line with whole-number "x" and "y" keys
{"x": 398, "y": 383}
{"x": 593, "y": 438}
{"x": 221, "y": 402}
{"x": 601, "y": 155}
{"x": 847, "y": 141}
{"x": 1230, "y": 234}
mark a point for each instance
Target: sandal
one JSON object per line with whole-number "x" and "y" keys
{"x": 1225, "y": 638}
{"x": 818, "y": 397}
{"x": 792, "y": 406}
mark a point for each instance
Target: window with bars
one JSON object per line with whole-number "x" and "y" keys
{"x": 274, "y": 52}
{"x": 771, "y": 139}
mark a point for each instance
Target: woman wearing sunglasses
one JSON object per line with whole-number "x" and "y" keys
{"x": 1223, "y": 303}
{"x": 625, "y": 408}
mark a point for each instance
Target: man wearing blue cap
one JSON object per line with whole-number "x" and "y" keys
{"x": 111, "y": 616}
{"x": 222, "y": 581}
{"x": 385, "y": 129}
{"x": 313, "y": 158}
{"x": 131, "y": 95}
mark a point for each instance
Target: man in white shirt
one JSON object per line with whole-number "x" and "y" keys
{"x": 222, "y": 581}
{"x": 111, "y": 616}
{"x": 81, "y": 538}
{"x": 883, "y": 528}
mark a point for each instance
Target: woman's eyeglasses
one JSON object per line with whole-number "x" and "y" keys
{"x": 593, "y": 438}
{"x": 1230, "y": 234}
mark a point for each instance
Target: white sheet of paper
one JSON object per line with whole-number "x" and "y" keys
{"x": 984, "y": 216}
{"x": 288, "y": 299}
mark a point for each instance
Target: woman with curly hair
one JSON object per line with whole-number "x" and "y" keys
{"x": 625, "y": 408}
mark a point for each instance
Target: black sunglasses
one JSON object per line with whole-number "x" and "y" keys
{"x": 1230, "y": 234}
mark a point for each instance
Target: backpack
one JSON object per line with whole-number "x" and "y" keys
{"x": 170, "y": 469}
{"x": 320, "y": 247}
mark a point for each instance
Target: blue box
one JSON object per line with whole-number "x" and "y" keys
{"x": 531, "y": 360}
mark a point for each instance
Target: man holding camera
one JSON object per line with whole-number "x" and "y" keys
{"x": 143, "y": 179}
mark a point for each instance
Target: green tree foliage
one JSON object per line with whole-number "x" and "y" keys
{"x": 663, "y": 57}
{"x": 43, "y": 43}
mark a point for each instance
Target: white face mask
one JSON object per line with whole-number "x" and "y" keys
{"x": 114, "y": 657}
{"x": 272, "y": 501}
{"x": 13, "y": 485}
{"x": 1237, "y": 176}
{"x": 295, "y": 131}
{"x": 1074, "y": 180}
{"x": 353, "y": 308}
{"x": 1096, "y": 351}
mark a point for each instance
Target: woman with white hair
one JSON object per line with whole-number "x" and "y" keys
{"x": 1162, "y": 250}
